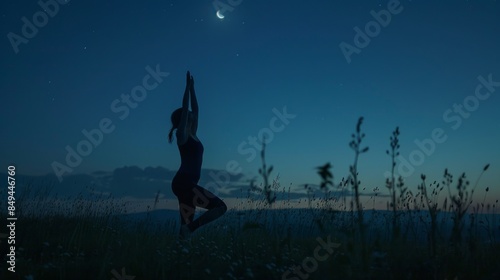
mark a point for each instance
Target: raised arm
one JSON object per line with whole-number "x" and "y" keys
{"x": 182, "y": 131}
{"x": 194, "y": 106}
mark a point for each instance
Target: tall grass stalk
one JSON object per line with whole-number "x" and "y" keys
{"x": 355, "y": 144}
{"x": 391, "y": 182}
{"x": 432, "y": 206}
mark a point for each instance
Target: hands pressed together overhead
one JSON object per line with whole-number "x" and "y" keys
{"x": 189, "y": 81}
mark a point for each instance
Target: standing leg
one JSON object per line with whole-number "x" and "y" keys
{"x": 183, "y": 190}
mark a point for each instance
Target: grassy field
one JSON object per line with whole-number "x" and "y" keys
{"x": 418, "y": 237}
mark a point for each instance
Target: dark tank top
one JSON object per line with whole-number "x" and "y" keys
{"x": 191, "y": 158}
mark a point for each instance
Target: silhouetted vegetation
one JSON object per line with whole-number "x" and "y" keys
{"x": 411, "y": 240}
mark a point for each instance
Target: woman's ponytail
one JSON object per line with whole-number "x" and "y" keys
{"x": 171, "y": 134}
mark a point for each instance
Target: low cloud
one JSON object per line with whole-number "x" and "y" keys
{"x": 133, "y": 182}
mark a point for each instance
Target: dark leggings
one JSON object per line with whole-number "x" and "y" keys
{"x": 190, "y": 196}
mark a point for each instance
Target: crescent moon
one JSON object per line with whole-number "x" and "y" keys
{"x": 219, "y": 15}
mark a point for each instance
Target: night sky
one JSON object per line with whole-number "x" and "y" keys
{"x": 304, "y": 71}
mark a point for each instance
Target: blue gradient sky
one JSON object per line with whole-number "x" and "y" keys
{"x": 262, "y": 55}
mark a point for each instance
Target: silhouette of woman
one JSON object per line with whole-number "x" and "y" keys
{"x": 185, "y": 182}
